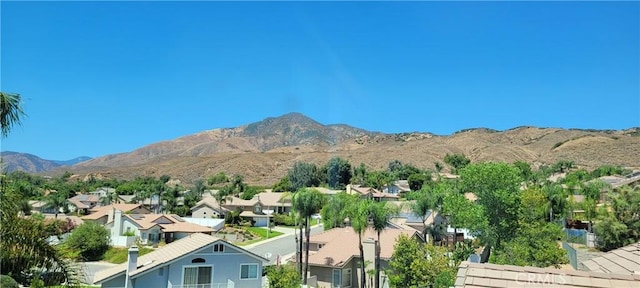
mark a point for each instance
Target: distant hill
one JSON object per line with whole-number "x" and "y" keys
{"x": 263, "y": 151}
{"x": 13, "y": 161}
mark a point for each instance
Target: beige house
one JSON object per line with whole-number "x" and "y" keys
{"x": 261, "y": 207}
{"x": 208, "y": 207}
{"x": 371, "y": 193}
{"x": 334, "y": 255}
{"x": 82, "y": 203}
{"x": 104, "y": 214}
{"x": 151, "y": 228}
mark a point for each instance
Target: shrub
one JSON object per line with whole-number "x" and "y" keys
{"x": 8, "y": 282}
{"x": 90, "y": 239}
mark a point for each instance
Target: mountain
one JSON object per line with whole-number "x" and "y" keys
{"x": 263, "y": 151}
{"x": 13, "y": 161}
{"x": 72, "y": 161}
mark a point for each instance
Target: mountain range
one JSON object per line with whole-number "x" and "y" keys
{"x": 13, "y": 161}
{"x": 263, "y": 151}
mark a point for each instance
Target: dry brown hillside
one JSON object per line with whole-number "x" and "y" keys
{"x": 263, "y": 151}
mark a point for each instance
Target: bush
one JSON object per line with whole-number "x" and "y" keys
{"x": 284, "y": 219}
{"x": 90, "y": 239}
{"x": 8, "y": 282}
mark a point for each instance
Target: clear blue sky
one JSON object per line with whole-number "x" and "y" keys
{"x": 106, "y": 77}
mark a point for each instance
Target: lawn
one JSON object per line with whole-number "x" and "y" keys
{"x": 119, "y": 255}
{"x": 261, "y": 233}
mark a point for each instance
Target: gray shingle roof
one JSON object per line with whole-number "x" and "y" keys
{"x": 503, "y": 276}
{"x": 625, "y": 260}
{"x": 166, "y": 254}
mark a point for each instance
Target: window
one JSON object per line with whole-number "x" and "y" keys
{"x": 336, "y": 281}
{"x": 196, "y": 276}
{"x": 161, "y": 271}
{"x": 248, "y": 271}
{"x": 257, "y": 209}
{"x": 198, "y": 260}
{"x": 346, "y": 277}
{"x": 218, "y": 248}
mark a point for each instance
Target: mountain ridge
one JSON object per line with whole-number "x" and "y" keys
{"x": 263, "y": 151}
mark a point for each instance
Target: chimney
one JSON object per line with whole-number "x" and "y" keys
{"x": 110, "y": 213}
{"x": 117, "y": 223}
{"x": 132, "y": 265}
{"x": 369, "y": 247}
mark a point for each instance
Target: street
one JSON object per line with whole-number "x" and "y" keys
{"x": 283, "y": 246}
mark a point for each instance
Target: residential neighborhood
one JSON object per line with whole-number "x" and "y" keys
{"x": 355, "y": 232}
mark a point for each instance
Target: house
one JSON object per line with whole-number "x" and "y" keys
{"x": 151, "y": 228}
{"x": 103, "y": 192}
{"x": 82, "y": 203}
{"x": 41, "y": 207}
{"x": 124, "y": 199}
{"x": 399, "y": 187}
{"x": 260, "y": 208}
{"x": 208, "y": 207}
{"x": 624, "y": 260}
{"x": 504, "y": 276}
{"x": 334, "y": 254}
{"x": 371, "y": 193}
{"x": 199, "y": 260}
{"x": 104, "y": 214}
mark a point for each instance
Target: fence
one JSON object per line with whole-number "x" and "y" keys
{"x": 577, "y": 236}
{"x": 571, "y": 253}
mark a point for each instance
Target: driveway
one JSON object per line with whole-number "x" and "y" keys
{"x": 90, "y": 269}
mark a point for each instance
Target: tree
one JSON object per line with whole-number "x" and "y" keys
{"x": 338, "y": 173}
{"x": 90, "y": 239}
{"x": 416, "y": 181}
{"x": 497, "y": 186}
{"x": 378, "y": 179}
{"x": 536, "y": 244}
{"x": 619, "y": 224}
{"x": 525, "y": 169}
{"x": 283, "y": 276}
{"x": 23, "y": 244}
{"x": 416, "y": 265}
{"x": 557, "y": 200}
{"x": 303, "y": 174}
{"x": 425, "y": 203}
{"x": 308, "y": 202}
{"x": 337, "y": 210}
{"x": 462, "y": 213}
{"x": 218, "y": 179}
{"x": 358, "y": 214}
{"x": 379, "y": 213}
{"x": 11, "y": 112}
{"x": 456, "y": 161}
{"x": 284, "y": 185}
{"x": 222, "y": 196}
{"x": 359, "y": 174}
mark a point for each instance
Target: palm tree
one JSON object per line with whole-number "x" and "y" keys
{"x": 22, "y": 242}
{"x": 358, "y": 216}
{"x": 57, "y": 200}
{"x": 425, "y": 203}
{"x": 11, "y": 112}
{"x": 308, "y": 202}
{"x": 380, "y": 213}
{"x": 222, "y": 195}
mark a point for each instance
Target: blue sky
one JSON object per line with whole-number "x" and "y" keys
{"x": 106, "y": 77}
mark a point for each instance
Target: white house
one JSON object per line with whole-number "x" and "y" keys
{"x": 199, "y": 260}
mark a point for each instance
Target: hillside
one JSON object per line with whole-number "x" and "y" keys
{"x": 263, "y": 151}
{"x": 12, "y": 161}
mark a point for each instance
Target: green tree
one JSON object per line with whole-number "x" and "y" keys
{"x": 462, "y": 213}
{"x": 358, "y": 214}
{"x": 379, "y": 213}
{"x": 557, "y": 200}
{"x": 378, "y": 179}
{"x": 284, "y": 185}
{"x": 303, "y": 174}
{"x": 416, "y": 181}
{"x": 456, "y": 161}
{"x": 525, "y": 169}
{"x": 536, "y": 244}
{"x": 23, "y": 244}
{"x": 497, "y": 187}
{"x": 416, "y": 265}
{"x": 283, "y": 276}
{"x": 359, "y": 175}
{"x": 338, "y": 173}
{"x": 90, "y": 239}
{"x": 307, "y": 202}
{"x": 337, "y": 210}
{"x": 11, "y": 113}
{"x": 422, "y": 206}
{"x": 619, "y": 225}
{"x": 217, "y": 179}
